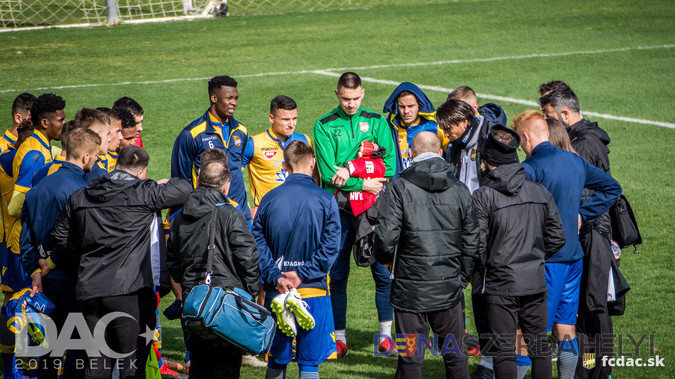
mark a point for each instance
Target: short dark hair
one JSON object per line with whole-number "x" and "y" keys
{"x": 45, "y": 104}
{"x": 405, "y": 93}
{"x": 132, "y": 158}
{"x": 282, "y": 102}
{"x": 503, "y": 136}
{"x": 214, "y": 174}
{"x": 130, "y": 104}
{"x": 23, "y": 131}
{"x": 221, "y": 81}
{"x": 297, "y": 152}
{"x": 23, "y": 103}
{"x": 86, "y": 117}
{"x": 126, "y": 116}
{"x": 453, "y": 111}
{"x": 461, "y": 93}
{"x": 349, "y": 80}
{"x": 545, "y": 88}
{"x": 79, "y": 141}
{"x": 561, "y": 97}
{"x": 213, "y": 155}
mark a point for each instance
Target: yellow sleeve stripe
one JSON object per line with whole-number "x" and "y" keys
{"x": 21, "y": 188}
{"x": 194, "y": 132}
{"x": 50, "y": 263}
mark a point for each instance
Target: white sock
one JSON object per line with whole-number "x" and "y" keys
{"x": 385, "y": 330}
{"x": 486, "y": 362}
{"x": 522, "y": 371}
{"x": 340, "y": 336}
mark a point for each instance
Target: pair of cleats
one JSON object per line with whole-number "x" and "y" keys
{"x": 291, "y": 311}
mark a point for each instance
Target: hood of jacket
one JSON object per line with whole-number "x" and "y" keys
{"x": 493, "y": 113}
{"x": 587, "y": 127}
{"x": 201, "y": 201}
{"x": 425, "y": 105}
{"x": 507, "y": 179}
{"x": 106, "y": 187}
{"x": 433, "y": 175}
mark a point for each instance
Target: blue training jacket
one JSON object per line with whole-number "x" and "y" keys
{"x": 297, "y": 228}
{"x": 565, "y": 175}
{"x": 42, "y": 205}
{"x": 204, "y": 134}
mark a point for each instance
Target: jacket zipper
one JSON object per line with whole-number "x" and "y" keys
{"x": 351, "y": 125}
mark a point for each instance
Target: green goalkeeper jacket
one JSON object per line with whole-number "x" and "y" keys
{"x": 337, "y": 138}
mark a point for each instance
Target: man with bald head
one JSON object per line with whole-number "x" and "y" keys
{"x": 429, "y": 271}
{"x": 565, "y": 175}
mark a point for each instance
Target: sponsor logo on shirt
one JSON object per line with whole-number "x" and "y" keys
{"x": 270, "y": 154}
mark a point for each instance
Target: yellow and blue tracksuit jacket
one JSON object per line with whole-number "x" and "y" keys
{"x": 33, "y": 153}
{"x": 8, "y": 139}
{"x": 207, "y": 133}
{"x": 48, "y": 169}
{"x": 404, "y": 136}
{"x": 263, "y": 156}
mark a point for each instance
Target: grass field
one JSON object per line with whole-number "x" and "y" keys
{"x": 618, "y": 56}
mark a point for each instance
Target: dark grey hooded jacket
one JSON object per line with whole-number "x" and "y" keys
{"x": 519, "y": 228}
{"x": 428, "y": 217}
{"x": 235, "y": 258}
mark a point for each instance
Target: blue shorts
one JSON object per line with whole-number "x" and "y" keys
{"x": 13, "y": 277}
{"x": 314, "y": 346}
{"x": 562, "y": 281}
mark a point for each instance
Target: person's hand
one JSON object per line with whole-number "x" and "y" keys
{"x": 254, "y": 210}
{"x": 341, "y": 176}
{"x": 293, "y": 277}
{"x": 44, "y": 268}
{"x": 283, "y": 285}
{"x": 373, "y": 186}
{"x": 162, "y": 181}
{"x": 579, "y": 226}
{"x": 37, "y": 283}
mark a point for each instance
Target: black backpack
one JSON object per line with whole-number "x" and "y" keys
{"x": 624, "y": 227}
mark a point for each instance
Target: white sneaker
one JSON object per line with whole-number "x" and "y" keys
{"x": 296, "y": 305}
{"x": 252, "y": 361}
{"x": 285, "y": 318}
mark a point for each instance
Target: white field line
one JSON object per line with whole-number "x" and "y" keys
{"x": 328, "y": 72}
{"x": 507, "y": 99}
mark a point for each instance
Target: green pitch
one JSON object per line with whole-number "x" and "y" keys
{"x": 618, "y": 56}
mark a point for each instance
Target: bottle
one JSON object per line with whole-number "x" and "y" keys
{"x": 615, "y": 249}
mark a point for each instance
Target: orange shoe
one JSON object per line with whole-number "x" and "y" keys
{"x": 385, "y": 346}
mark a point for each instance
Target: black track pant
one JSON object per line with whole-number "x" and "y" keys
{"x": 122, "y": 332}
{"x": 502, "y": 314}
{"x": 444, "y": 323}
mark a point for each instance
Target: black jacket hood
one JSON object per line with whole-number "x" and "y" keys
{"x": 433, "y": 175}
{"x": 201, "y": 201}
{"x": 507, "y": 179}
{"x": 587, "y": 127}
{"x": 108, "y": 186}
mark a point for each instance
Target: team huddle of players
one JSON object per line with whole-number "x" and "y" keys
{"x": 93, "y": 140}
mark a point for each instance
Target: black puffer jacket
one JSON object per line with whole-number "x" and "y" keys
{"x": 519, "y": 228}
{"x": 109, "y": 226}
{"x": 427, "y": 213}
{"x": 235, "y": 259}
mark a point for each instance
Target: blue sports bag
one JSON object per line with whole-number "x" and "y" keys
{"x": 231, "y": 315}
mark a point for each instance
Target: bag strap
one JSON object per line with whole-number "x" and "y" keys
{"x": 211, "y": 246}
